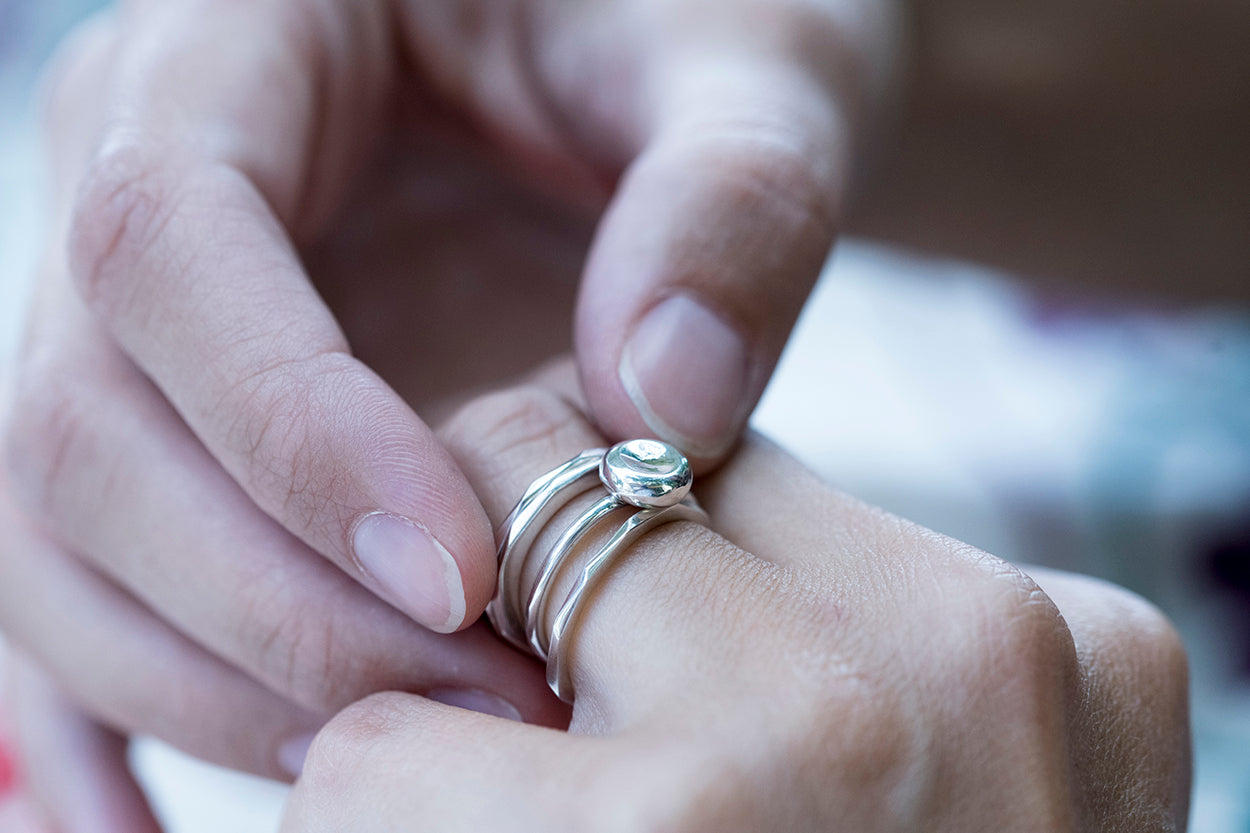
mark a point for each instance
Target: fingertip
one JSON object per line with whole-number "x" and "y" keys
{"x": 709, "y": 249}
{"x": 414, "y": 570}
{"x": 471, "y": 567}
{"x": 687, "y": 373}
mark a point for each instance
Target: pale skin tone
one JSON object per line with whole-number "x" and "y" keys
{"x": 755, "y": 675}
{"x": 457, "y": 191}
{"x": 178, "y": 358}
{"x": 759, "y": 676}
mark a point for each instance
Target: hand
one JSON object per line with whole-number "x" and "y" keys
{"x": 813, "y": 664}
{"x": 229, "y": 525}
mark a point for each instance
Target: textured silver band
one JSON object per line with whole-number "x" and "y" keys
{"x": 647, "y": 476}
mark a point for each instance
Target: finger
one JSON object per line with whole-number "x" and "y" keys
{"x": 1134, "y": 723}
{"x": 503, "y": 441}
{"x": 770, "y": 504}
{"x": 394, "y": 761}
{"x": 180, "y": 245}
{"x": 70, "y": 104}
{"x": 140, "y": 499}
{"x": 131, "y": 671}
{"x": 291, "y": 99}
{"x": 75, "y": 769}
{"x": 721, "y": 223}
{"x": 762, "y": 499}
{"x": 622, "y": 661}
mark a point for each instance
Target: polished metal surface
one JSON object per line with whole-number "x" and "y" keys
{"x": 649, "y": 474}
{"x": 639, "y": 524}
{"x": 545, "y": 496}
{"x": 536, "y": 604}
{"x": 648, "y": 482}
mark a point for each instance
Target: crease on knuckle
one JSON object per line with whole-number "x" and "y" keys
{"x": 126, "y": 200}
{"x": 300, "y": 650}
{"x": 48, "y": 435}
{"x": 1023, "y": 633}
{"x": 766, "y": 161}
{"x": 526, "y": 422}
{"x": 350, "y": 746}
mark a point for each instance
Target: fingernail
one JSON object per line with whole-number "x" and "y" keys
{"x": 686, "y": 371}
{"x": 293, "y": 753}
{"x": 475, "y": 700}
{"x": 413, "y": 567}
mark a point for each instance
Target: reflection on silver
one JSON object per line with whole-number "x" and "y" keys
{"x": 648, "y": 478}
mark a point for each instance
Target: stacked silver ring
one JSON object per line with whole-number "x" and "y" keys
{"x": 650, "y": 476}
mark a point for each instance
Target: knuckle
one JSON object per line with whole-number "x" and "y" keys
{"x": 1166, "y": 653}
{"x": 48, "y": 435}
{"x": 355, "y": 740}
{"x": 125, "y": 198}
{"x": 766, "y": 166}
{"x": 1134, "y": 720}
{"x": 526, "y": 422}
{"x": 302, "y": 652}
{"x": 839, "y": 43}
{"x": 1140, "y": 637}
{"x": 1019, "y": 631}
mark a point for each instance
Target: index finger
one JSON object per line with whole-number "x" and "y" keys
{"x": 227, "y": 127}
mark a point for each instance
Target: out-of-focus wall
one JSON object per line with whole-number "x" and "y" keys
{"x": 1097, "y": 145}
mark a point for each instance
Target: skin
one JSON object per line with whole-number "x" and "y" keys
{"x": 281, "y": 230}
{"x": 74, "y": 774}
{"x": 114, "y": 402}
{"x": 758, "y": 677}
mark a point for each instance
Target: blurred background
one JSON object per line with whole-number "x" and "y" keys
{"x": 1036, "y": 337}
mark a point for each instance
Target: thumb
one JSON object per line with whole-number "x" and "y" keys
{"x": 400, "y": 762}
{"x": 715, "y": 237}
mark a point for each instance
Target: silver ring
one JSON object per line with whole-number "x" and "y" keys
{"x": 648, "y": 476}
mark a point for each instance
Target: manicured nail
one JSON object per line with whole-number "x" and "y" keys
{"x": 293, "y": 753}
{"x": 686, "y": 371}
{"x": 411, "y": 566}
{"x": 475, "y": 700}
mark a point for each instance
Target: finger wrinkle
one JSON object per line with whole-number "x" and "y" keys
{"x": 509, "y": 436}
{"x": 124, "y": 206}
